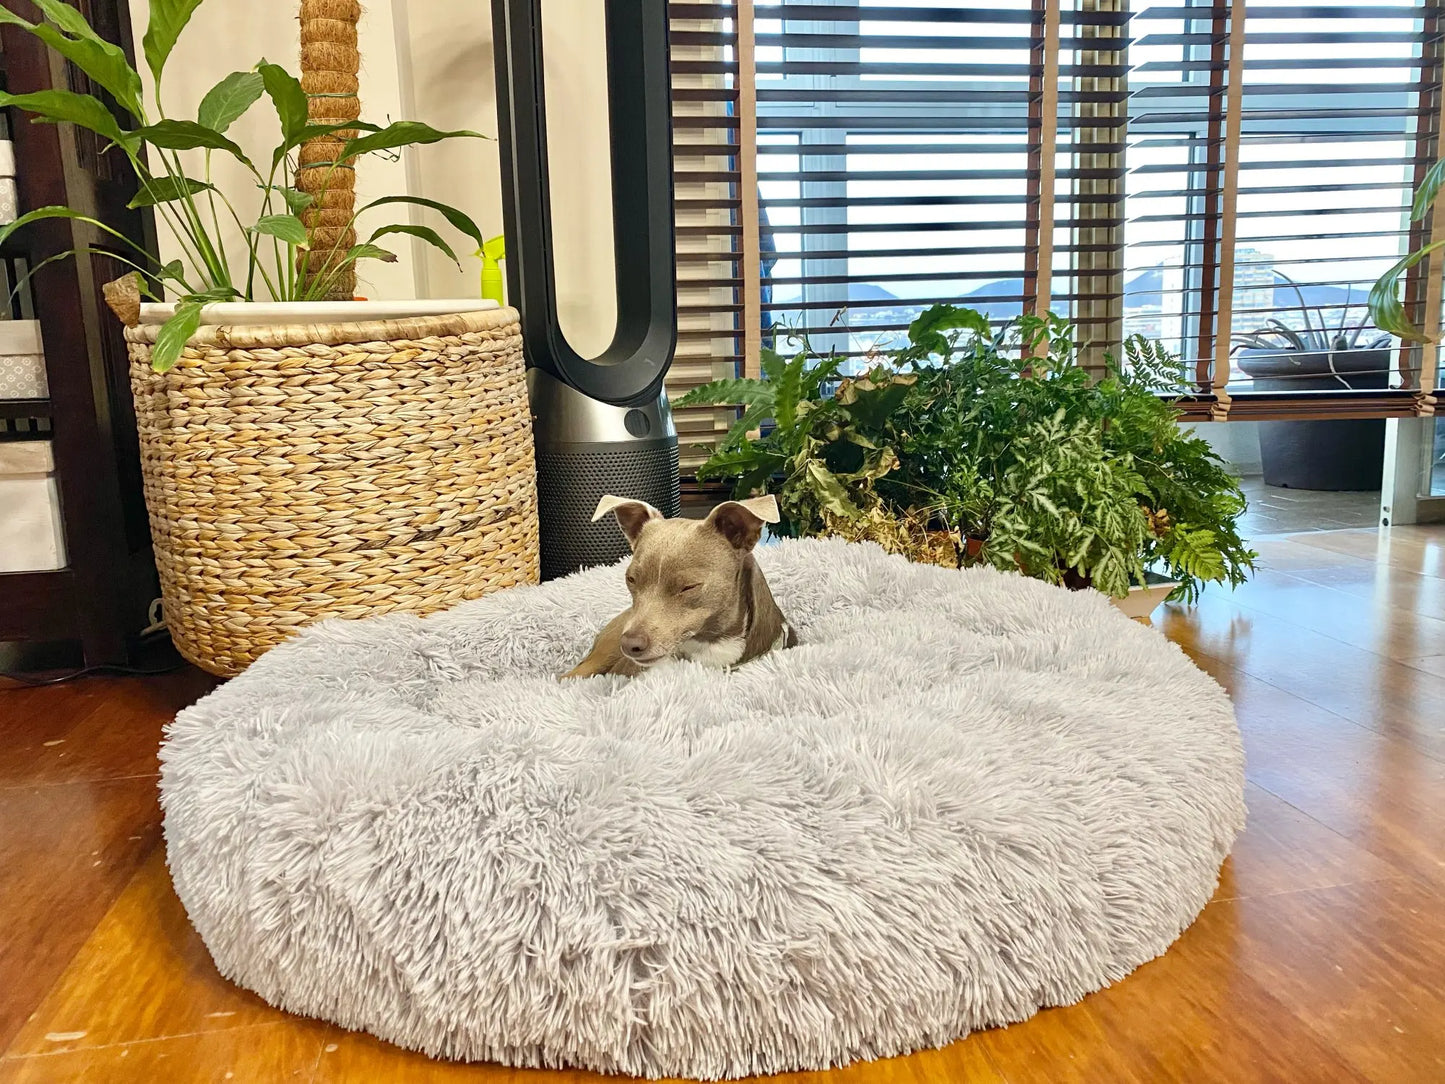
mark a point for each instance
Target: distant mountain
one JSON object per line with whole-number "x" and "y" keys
{"x": 857, "y": 292}
{"x": 1146, "y": 289}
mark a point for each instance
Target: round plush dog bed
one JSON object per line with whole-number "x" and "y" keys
{"x": 965, "y": 796}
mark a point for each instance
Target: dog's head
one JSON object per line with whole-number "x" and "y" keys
{"x": 686, "y": 575}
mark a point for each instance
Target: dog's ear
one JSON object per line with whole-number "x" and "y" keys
{"x": 741, "y": 522}
{"x": 632, "y": 515}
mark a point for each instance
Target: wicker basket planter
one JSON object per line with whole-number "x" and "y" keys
{"x": 294, "y": 473}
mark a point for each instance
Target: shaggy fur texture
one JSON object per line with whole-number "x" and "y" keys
{"x": 964, "y": 796}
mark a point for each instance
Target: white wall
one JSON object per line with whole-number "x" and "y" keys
{"x": 1237, "y": 443}
{"x": 442, "y": 74}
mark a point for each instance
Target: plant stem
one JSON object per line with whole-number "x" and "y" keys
{"x": 216, "y": 264}
{"x": 215, "y": 215}
{"x": 178, "y": 231}
{"x": 284, "y": 272}
{"x": 253, "y": 263}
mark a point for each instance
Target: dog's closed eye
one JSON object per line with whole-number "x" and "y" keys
{"x": 685, "y": 588}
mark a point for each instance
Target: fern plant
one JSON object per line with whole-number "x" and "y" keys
{"x": 970, "y": 444}
{"x": 826, "y": 444}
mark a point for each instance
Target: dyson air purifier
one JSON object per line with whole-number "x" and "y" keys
{"x": 601, "y": 425}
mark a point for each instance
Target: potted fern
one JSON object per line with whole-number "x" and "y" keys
{"x": 302, "y": 456}
{"x": 970, "y": 446}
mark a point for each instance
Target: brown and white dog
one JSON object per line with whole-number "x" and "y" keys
{"x": 696, "y": 591}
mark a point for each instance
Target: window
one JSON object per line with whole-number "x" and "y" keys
{"x": 1160, "y": 170}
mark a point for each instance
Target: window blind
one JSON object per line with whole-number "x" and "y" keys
{"x": 710, "y": 135}
{"x": 1339, "y": 123}
{"x": 1272, "y": 159}
{"x": 1185, "y": 170}
{"x": 969, "y": 153}
{"x": 900, "y": 162}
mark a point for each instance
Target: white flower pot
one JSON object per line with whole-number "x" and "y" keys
{"x": 1140, "y": 602}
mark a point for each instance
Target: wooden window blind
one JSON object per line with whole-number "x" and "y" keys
{"x": 1272, "y": 159}
{"x": 1177, "y": 169}
{"x": 900, "y": 163}
{"x": 710, "y": 134}
{"x": 1339, "y": 121}
{"x": 1180, "y": 180}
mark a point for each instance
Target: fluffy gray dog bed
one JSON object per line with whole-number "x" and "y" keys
{"x": 964, "y": 797}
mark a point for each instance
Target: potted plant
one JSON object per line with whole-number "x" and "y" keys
{"x": 968, "y": 446}
{"x": 301, "y": 458}
{"x": 1307, "y": 354}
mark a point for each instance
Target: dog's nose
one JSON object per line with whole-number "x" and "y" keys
{"x": 635, "y": 644}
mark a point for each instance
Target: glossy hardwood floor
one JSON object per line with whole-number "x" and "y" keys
{"x": 1321, "y": 957}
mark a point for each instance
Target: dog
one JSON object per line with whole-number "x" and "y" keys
{"x": 696, "y": 591}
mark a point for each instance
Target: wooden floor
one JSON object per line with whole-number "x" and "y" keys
{"x": 1321, "y": 958}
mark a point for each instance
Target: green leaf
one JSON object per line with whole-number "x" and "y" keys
{"x": 729, "y": 393}
{"x": 402, "y": 133}
{"x": 872, "y": 405}
{"x": 926, "y": 330}
{"x": 171, "y": 338}
{"x": 1428, "y": 190}
{"x": 104, "y": 69}
{"x": 55, "y": 106}
{"x": 750, "y": 420}
{"x": 215, "y": 293}
{"x": 1386, "y": 311}
{"x": 814, "y": 378}
{"x": 296, "y": 200}
{"x": 426, "y": 233}
{"x": 49, "y": 212}
{"x": 459, "y": 219}
{"x": 288, "y": 228}
{"x": 771, "y": 363}
{"x": 288, "y": 98}
{"x": 184, "y": 135}
{"x": 788, "y": 388}
{"x": 830, "y": 492}
{"x": 1041, "y": 499}
{"x": 102, "y": 61}
{"x": 370, "y": 252}
{"x": 69, "y": 19}
{"x": 731, "y": 463}
{"x": 172, "y": 272}
{"x": 229, "y": 99}
{"x": 168, "y": 19}
{"x": 167, "y": 188}
{"x": 755, "y": 481}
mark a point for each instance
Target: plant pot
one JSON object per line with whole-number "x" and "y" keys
{"x": 1328, "y": 455}
{"x": 301, "y": 471}
{"x": 273, "y": 313}
{"x": 1143, "y": 600}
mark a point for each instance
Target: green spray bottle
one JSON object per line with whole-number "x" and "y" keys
{"x": 492, "y": 252}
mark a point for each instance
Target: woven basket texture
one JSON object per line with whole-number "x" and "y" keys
{"x": 296, "y": 473}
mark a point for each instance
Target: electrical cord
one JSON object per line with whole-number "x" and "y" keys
{"x": 25, "y": 681}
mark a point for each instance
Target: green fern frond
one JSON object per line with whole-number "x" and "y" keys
{"x": 740, "y": 392}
